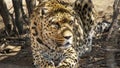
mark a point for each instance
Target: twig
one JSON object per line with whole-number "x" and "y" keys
{"x": 114, "y": 19}
{"x": 111, "y": 36}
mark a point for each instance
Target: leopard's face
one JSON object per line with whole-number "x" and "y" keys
{"x": 57, "y": 31}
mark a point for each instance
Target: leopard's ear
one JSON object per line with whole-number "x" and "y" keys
{"x": 67, "y": 2}
{"x": 40, "y": 1}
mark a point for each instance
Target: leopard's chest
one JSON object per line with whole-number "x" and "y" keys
{"x": 54, "y": 56}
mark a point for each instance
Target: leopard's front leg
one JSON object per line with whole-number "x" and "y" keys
{"x": 70, "y": 60}
{"x": 39, "y": 60}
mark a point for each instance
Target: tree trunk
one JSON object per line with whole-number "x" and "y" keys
{"x": 6, "y": 17}
{"x": 18, "y": 15}
{"x": 30, "y": 5}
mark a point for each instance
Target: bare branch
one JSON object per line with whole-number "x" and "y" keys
{"x": 114, "y": 19}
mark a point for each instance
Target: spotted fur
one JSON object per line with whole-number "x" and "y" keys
{"x": 58, "y": 31}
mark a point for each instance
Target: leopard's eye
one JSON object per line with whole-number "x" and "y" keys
{"x": 56, "y": 25}
{"x": 71, "y": 22}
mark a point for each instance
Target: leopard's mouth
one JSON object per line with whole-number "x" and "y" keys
{"x": 67, "y": 43}
{"x": 65, "y": 46}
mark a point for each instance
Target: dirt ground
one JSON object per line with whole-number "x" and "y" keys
{"x": 18, "y": 57}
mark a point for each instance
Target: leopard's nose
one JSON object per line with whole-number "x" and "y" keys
{"x": 67, "y": 37}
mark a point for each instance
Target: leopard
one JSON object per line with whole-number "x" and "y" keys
{"x": 58, "y": 32}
